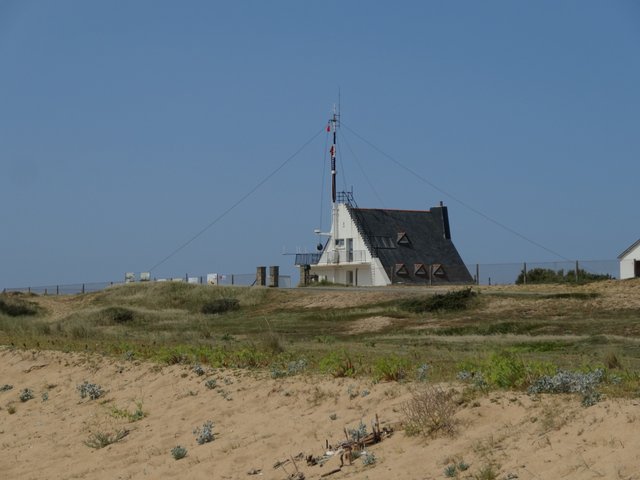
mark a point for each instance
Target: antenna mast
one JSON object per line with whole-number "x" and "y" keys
{"x": 334, "y": 123}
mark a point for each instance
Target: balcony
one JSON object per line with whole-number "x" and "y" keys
{"x": 307, "y": 258}
{"x": 332, "y": 257}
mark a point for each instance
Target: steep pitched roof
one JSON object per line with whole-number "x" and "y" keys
{"x": 410, "y": 237}
{"x": 628, "y": 250}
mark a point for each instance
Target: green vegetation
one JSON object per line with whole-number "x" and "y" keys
{"x": 99, "y": 440}
{"x": 391, "y": 368}
{"x": 511, "y": 335}
{"x": 137, "y": 414}
{"x": 441, "y": 302}
{"x": 15, "y": 305}
{"x": 220, "y": 305}
{"x": 547, "y": 275}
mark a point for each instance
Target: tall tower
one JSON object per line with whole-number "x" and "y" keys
{"x": 333, "y": 125}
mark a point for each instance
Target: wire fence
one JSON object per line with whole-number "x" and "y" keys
{"x": 544, "y": 272}
{"x": 482, "y": 274}
{"x": 231, "y": 279}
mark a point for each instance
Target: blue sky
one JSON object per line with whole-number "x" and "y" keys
{"x": 127, "y": 127}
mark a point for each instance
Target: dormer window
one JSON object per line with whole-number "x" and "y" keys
{"x": 402, "y": 239}
{"x": 401, "y": 269}
{"x": 437, "y": 270}
{"x": 420, "y": 269}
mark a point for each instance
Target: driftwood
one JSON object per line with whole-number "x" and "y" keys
{"x": 344, "y": 448}
{"x": 335, "y": 470}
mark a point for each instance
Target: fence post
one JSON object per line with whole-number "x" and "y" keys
{"x": 83, "y": 288}
{"x": 45, "y": 291}
{"x": 577, "y": 270}
{"x": 232, "y": 279}
{"x": 29, "y": 290}
{"x": 57, "y": 289}
{"x": 477, "y": 273}
{"x": 524, "y": 270}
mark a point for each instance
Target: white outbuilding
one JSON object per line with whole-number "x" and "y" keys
{"x": 630, "y": 262}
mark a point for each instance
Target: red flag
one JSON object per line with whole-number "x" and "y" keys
{"x": 328, "y": 127}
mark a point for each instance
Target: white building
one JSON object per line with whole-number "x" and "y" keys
{"x": 377, "y": 247}
{"x": 630, "y": 262}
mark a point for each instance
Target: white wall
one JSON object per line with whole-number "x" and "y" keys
{"x": 369, "y": 270}
{"x": 627, "y": 263}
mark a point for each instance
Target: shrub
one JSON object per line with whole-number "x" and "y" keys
{"x": 6, "y": 387}
{"x": 445, "y": 302}
{"x": 220, "y": 305}
{"x": 16, "y": 307}
{"x": 430, "y": 411}
{"x": 26, "y": 395}
{"x": 91, "y": 390}
{"x": 198, "y": 370}
{"x": 211, "y": 383}
{"x": 547, "y": 275}
{"x": 422, "y": 372}
{"x": 204, "y": 434}
{"x": 506, "y": 370}
{"x": 392, "y": 368}
{"x": 178, "y": 452}
{"x": 368, "y": 458}
{"x": 117, "y": 315}
{"x": 571, "y": 382}
{"x": 358, "y": 433}
{"x": 450, "y": 471}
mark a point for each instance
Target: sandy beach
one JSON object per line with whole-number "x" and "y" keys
{"x": 259, "y": 422}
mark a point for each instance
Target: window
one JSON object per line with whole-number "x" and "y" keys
{"x": 401, "y": 269}
{"x": 402, "y": 239}
{"x": 339, "y": 242}
{"x": 420, "y": 269}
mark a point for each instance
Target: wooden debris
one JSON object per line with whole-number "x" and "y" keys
{"x": 331, "y": 472}
{"x": 345, "y": 449}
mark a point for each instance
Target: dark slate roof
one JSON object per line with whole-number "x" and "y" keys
{"x": 623, "y": 254}
{"x": 405, "y": 240}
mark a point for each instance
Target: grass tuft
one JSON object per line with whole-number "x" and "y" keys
{"x": 99, "y": 440}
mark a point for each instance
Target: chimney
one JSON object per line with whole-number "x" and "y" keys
{"x": 445, "y": 220}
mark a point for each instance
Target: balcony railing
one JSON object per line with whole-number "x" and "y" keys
{"x": 332, "y": 257}
{"x": 307, "y": 258}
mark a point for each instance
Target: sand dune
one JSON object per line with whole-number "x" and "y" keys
{"x": 259, "y": 421}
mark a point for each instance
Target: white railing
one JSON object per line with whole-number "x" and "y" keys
{"x": 344, "y": 256}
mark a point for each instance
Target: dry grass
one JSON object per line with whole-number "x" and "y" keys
{"x": 568, "y": 326}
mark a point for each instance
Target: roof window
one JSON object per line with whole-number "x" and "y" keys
{"x": 403, "y": 239}
{"x": 401, "y": 269}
